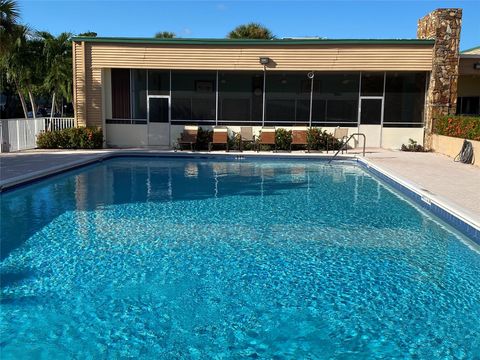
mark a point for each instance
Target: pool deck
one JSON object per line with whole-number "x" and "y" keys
{"x": 454, "y": 184}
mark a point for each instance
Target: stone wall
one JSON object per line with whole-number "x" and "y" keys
{"x": 442, "y": 25}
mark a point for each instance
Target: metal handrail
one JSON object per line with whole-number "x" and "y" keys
{"x": 346, "y": 142}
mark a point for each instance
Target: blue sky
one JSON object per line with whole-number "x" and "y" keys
{"x": 331, "y": 19}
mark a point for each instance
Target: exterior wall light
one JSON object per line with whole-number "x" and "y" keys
{"x": 476, "y": 66}
{"x": 264, "y": 60}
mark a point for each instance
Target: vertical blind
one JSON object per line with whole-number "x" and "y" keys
{"x": 121, "y": 93}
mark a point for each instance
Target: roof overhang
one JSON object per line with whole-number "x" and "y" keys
{"x": 253, "y": 42}
{"x": 469, "y": 56}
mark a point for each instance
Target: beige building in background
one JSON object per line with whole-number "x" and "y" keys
{"x": 143, "y": 91}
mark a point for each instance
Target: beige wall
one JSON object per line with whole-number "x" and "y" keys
{"x": 126, "y": 135}
{"x": 475, "y": 51}
{"x": 107, "y": 92}
{"x": 293, "y": 57}
{"x": 91, "y": 58}
{"x": 466, "y": 66}
{"x": 79, "y": 89}
{"x": 451, "y": 146}
{"x": 394, "y": 138}
{"x": 137, "y": 135}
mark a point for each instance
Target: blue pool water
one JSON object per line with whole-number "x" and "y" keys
{"x": 166, "y": 258}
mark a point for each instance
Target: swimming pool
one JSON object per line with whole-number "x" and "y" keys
{"x": 192, "y": 258}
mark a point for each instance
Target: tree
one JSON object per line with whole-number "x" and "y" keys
{"x": 14, "y": 60}
{"x": 251, "y": 31}
{"x": 9, "y": 16}
{"x": 165, "y": 35}
{"x": 88, "y": 34}
{"x": 19, "y": 56}
{"x": 58, "y": 79}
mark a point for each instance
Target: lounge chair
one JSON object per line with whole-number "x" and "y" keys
{"x": 299, "y": 137}
{"x": 267, "y": 137}
{"x": 188, "y": 137}
{"x": 340, "y": 134}
{"x": 246, "y": 136}
{"x": 220, "y": 136}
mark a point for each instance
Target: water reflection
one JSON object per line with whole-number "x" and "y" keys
{"x": 335, "y": 194}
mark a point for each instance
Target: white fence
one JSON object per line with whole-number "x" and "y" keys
{"x": 21, "y": 134}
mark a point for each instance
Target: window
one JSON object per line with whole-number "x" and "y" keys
{"x": 158, "y": 82}
{"x": 468, "y": 105}
{"x": 194, "y": 96}
{"x": 121, "y": 93}
{"x": 371, "y": 112}
{"x": 139, "y": 93}
{"x": 287, "y": 99}
{"x": 335, "y": 99}
{"x": 240, "y": 97}
{"x": 404, "y": 99}
{"x": 372, "y": 84}
{"x": 158, "y": 111}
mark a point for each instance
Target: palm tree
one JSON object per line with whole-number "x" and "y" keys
{"x": 19, "y": 56}
{"x": 9, "y": 14}
{"x": 36, "y": 69}
{"x": 15, "y": 62}
{"x": 165, "y": 35}
{"x": 251, "y": 31}
{"x": 58, "y": 78}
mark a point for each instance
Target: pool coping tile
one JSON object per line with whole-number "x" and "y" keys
{"x": 450, "y": 214}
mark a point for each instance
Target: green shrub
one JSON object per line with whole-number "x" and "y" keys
{"x": 283, "y": 139}
{"x": 412, "y": 146}
{"x": 74, "y": 138}
{"x": 47, "y": 140}
{"x": 465, "y": 127}
{"x": 321, "y": 140}
{"x": 233, "y": 142}
{"x": 315, "y": 139}
{"x": 203, "y": 138}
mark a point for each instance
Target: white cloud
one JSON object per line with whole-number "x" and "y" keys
{"x": 221, "y": 7}
{"x": 186, "y": 31}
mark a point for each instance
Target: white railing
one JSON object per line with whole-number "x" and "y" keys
{"x": 53, "y": 124}
{"x": 21, "y": 134}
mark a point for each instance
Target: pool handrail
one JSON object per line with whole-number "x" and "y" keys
{"x": 346, "y": 142}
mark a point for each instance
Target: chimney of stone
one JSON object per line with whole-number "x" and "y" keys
{"x": 443, "y": 26}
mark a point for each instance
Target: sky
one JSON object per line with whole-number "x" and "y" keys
{"x": 214, "y": 19}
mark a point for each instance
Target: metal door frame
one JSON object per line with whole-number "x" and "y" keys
{"x": 381, "y": 115}
{"x": 169, "y": 98}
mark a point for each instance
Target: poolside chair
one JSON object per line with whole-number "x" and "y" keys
{"x": 188, "y": 136}
{"x": 220, "y": 136}
{"x": 267, "y": 137}
{"x": 246, "y": 136}
{"x": 339, "y": 134}
{"x": 299, "y": 137}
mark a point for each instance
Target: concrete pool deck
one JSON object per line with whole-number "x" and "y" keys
{"x": 454, "y": 184}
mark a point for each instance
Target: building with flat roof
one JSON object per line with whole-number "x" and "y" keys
{"x": 143, "y": 91}
{"x": 468, "y": 101}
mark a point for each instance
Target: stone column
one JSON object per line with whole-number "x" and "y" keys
{"x": 442, "y": 25}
